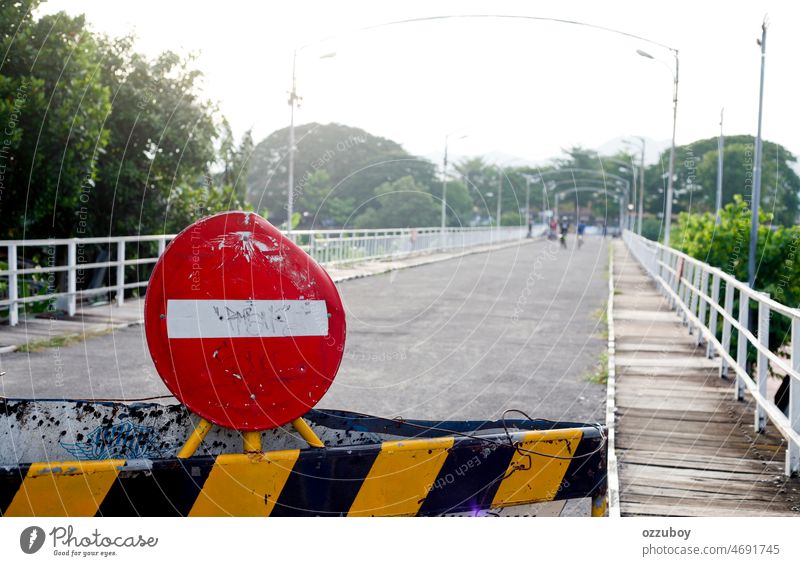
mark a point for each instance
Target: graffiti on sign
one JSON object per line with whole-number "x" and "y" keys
{"x": 123, "y": 440}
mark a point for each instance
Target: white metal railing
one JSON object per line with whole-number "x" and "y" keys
{"x": 336, "y": 247}
{"x": 694, "y": 289}
{"x": 329, "y": 247}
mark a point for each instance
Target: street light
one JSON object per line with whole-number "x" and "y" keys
{"x": 500, "y": 196}
{"x": 528, "y": 180}
{"x": 755, "y": 201}
{"x": 720, "y": 158}
{"x": 444, "y": 183}
{"x": 641, "y": 186}
{"x": 501, "y": 173}
{"x": 294, "y": 101}
{"x": 632, "y": 195}
{"x": 668, "y": 204}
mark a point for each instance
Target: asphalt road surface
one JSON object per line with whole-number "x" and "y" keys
{"x": 468, "y": 338}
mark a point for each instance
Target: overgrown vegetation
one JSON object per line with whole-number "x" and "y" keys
{"x": 59, "y": 341}
{"x": 102, "y": 140}
{"x": 726, "y": 246}
{"x": 599, "y": 374}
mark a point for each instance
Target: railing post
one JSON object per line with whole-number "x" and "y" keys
{"x": 793, "y": 450}
{"x": 686, "y": 293}
{"x": 671, "y": 277}
{"x": 120, "y": 272}
{"x": 762, "y": 365}
{"x": 712, "y": 316}
{"x": 726, "y": 329}
{"x": 694, "y": 296}
{"x": 741, "y": 344}
{"x": 676, "y": 276}
{"x": 72, "y": 273}
{"x": 701, "y": 309}
{"x": 13, "y": 290}
{"x": 162, "y": 244}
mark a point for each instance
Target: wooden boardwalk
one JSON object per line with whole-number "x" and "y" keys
{"x": 685, "y": 447}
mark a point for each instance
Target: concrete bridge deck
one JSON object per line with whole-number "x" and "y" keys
{"x": 514, "y": 327}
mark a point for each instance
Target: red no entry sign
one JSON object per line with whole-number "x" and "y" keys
{"x": 243, "y": 326}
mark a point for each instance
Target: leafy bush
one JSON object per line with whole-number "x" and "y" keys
{"x": 726, "y": 246}
{"x": 651, "y": 229}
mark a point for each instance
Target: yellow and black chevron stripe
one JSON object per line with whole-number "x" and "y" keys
{"x": 423, "y": 476}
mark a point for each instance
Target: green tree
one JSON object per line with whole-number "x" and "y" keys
{"x": 101, "y": 140}
{"x": 459, "y": 203}
{"x": 235, "y": 161}
{"x": 481, "y": 181}
{"x": 155, "y": 174}
{"x": 53, "y": 111}
{"x": 400, "y": 204}
{"x": 726, "y": 246}
{"x": 356, "y": 163}
{"x": 320, "y": 204}
{"x": 696, "y": 177}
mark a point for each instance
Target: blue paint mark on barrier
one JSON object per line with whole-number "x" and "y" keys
{"x": 124, "y": 441}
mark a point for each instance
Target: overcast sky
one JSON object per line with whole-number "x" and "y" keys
{"x": 521, "y": 88}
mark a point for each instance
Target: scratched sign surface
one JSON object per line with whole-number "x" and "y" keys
{"x": 243, "y": 326}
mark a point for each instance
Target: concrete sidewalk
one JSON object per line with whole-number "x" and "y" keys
{"x": 36, "y": 332}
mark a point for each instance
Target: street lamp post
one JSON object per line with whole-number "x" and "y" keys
{"x": 444, "y": 186}
{"x": 544, "y": 201}
{"x": 499, "y": 198}
{"x": 668, "y": 203}
{"x": 555, "y": 208}
{"x": 528, "y": 204}
{"x": 290, "y": 188}
{"x": 720, "y": 158}
{"x": 755, "y": 202}
{"x": 631, "y": 197}
{"x": 528, "y": 180}
{"x": 294, "y": 100}
{"x": 640, "y": 213}
{"x": 641, "y": 189}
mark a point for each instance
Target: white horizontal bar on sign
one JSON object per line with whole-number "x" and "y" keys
{"x": 222, "y": 318}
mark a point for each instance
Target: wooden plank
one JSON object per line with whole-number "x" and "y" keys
{"x": 739, "y": 489}
{"x": 685, "y": 405}
{"x": 661, "y": 472}
{"x": 704, "y": 462}
{"x": 640, "y": 492}
{"x": 696, "y": 450}
{"x": 744, "y": 507}
{"x": 722, "y": 416}
{"x": 672, "y": 437}
{"x": 673, "y": 510}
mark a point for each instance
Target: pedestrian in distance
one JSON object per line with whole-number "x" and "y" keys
{"x": 564, "y": 231}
